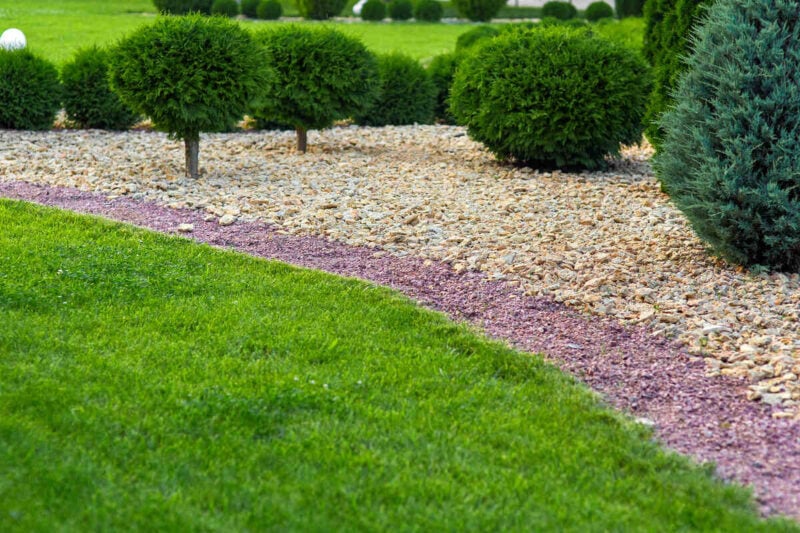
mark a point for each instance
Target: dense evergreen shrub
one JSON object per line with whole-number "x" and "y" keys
{"x": 668, "y": 26}
{"x": 401, "y": 9}
{"x": 320, "y": 9}
{"x": 549, "y": 22}
{"x": 88, "y": 99}
{"x": 190, "y": 75}
{"x": 250, "y": 7}
{"x": 373, "y": 11}
{"x": 182, "y": 7}
{"x": 269, "y": 10}
{"x": 30, "y": 93}
{"x": 598, "y": 10}
{"x": 731, "y": 153}
{"x": 629, "y": 8}
{"x": 323, "y": 75}
{"x": 559, "y": 10}
{"x": 225, "y": 8}
{"x": 428, "y": 11}
{"x": 552, "y": 97}
{"x": 476, "y": 35}
{"x": 407, "y": 94}
{"x": 478, "y": 10}
{"x": 441, "y": 70}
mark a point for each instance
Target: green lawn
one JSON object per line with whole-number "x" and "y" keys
{"x": 150, "y": 383}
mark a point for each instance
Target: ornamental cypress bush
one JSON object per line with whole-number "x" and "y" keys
{"x": 250, "y": 7}
{"x": 552, "y": 97}
{"x": 407, "y": 94}
{"x": 190, "y": 75}
{"x": 30, "y": 93}
{"x": 629, "y": 8}
{"x": 322, "y": 74}
{"x": 373, "y": 11}
{"x": 182, "y": 7}
{"x": 478, "y": 10}
{"x": 441, "y": 70}
{"x": 88, "y": 99}
{"x": 401, "y": 9}
{"x": 559, "y": 10}
{"x": 428, "y": 11}
{"x": 598, "y": 10}
{"x": 320, "y": 9}
{"x": 269, "y": 10}
{"x": 478, "y": 34}
{"x": 731, "y": 153}
{"x": 225, "y": 8}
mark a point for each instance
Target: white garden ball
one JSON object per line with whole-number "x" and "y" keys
{"x": 12, "y": 39}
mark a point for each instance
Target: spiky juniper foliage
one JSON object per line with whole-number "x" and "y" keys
{"x": 731, "y": 153}
{"x": 30, "y": 93}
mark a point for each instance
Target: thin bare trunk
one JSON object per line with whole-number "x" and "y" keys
{"x": 302, "y": 139}
{"x": 192, "y": 156}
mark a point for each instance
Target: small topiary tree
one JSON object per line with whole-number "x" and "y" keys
{"x": 323, "y": 75}
{"x": 225, "y": 8}
{"x": 552, "y": 97}
{"x": 373, "y": 11}
{"x": 559, "y": 10}
{"x": 476, "y": 35}
{"x": 320, "y": 9}
{"x": 731, "y": 153}
{"x": 190, "y": 75}
{"x": 428, "y": 11}
{"x": 629, "y": 8}
{"x": 478, "y": 10}
{"x": 30, "y": 93}
{"x": 182, "y": 7}
{"x": 269, "y": 10}
{"x": 88, "y": 99}
{"x": 250, "y": 7}
{"x": 598, "y": 10}
{"x": 407, "y": 94}
{"x": 401, "y": 9}
{"x": 441, "y": 70}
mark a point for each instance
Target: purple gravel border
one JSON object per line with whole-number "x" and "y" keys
{"x": 707, "y": 418}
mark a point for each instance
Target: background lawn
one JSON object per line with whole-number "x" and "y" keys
{"x": 150, "y": 383}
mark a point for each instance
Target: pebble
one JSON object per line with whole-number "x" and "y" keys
{"x": 186, "y": 228}
{"x": 226, "y": 220}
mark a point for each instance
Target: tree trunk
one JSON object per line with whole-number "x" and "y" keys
{"x": 302, "y": 139}
{"x": 192, "y": 144}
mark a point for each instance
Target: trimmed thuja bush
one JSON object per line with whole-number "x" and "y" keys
{"x": 190, "y": 75}
{"x": 559, "y": 10}
{"x": 250, "y": 8}
{"x": 182, "y": 7}
{"x": 322, "y": 74}
{"x": 88, "y": 98}
{"x": 428, "y": 11}
{"x": 320, "y": 9}
{"x": 407, "y": 94}
{"x": 731, "y": 153}
{"x": 441, "y": 70}
{"x": 30, "y": 93}
{"x": 269, "y": 10}
{"x": 598, "y": 10}
{"x": 373, "y": 11}
{"x": 476, "y": 35}
{"x": 478, "y": 10}
{"x": 629, "y": 8}
{"x": 552, "y": 97}
{"x": 226, "y": 8}
{"x": 401, "y": 9}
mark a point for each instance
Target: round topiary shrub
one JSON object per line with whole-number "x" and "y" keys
{"x": 182, "y": 7}
{"x": 629, "y": 8}
{"x": 428, "y": 11}
{"x": 598, "y": 10}
{"x": 401, "y": 9}
{"x": 552, "y": 97}
{"x": 88, "y": 99}
{"x": 322, "y": 74}
{"x": 441, "y": 70}
{"x": 373, "y": 11}
{"x": 30, "y": 93}
{"x": 478, "y": 10}
{"x": 559, "y": 10}
{"x": 190, "y": 75}
{"x": 320, "y": 9}
{"x": 225, "y": 8}
{"x": 476, "y": 35}
{"x": 407, "y": 94}
{"x": 269, "y": 10}
{"x": 249, "y": 8}
{"x": 730, "y": 159}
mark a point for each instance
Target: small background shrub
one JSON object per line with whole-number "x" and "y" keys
{"x": 407, "y": 94}
{"x": 428, "y": 11}
{"x": 249, "y": 8}
{"x": 401, "y": 9}
{"x": 630, "y": 8}
{"x": 441, "y": 70}
{"x": 730, "y": 159}
{"x": 320, "y": 9}
{"x": 30, "y": 93}
{"x": 552, "y": 97}
{"x": 478, "y": 10}
{"x": 598, "y": 10}
{"x": 182, "y": 7}
{"x": 373, "y": 11}
{"x": 88, "y": 99}
{"x": 269, "y": 10}
{"x": 559, "y": 10}
{"x": 226, "y": 8}
{"x": 470, "y": 38}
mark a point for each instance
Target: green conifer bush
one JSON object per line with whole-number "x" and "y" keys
{"x": 320, "y": 9}
{"x": 30, "y": 92}
{"x": 476, "y": 35}
{"x": 559, "y": 10}
{"x": 182, "y": 7}
{"x": 441, "y": 70}
{"x": 552, "y": 97}
{"x": 190, "y": 75}
{"x": 401, "y": 9}
{"x": 730, "y": 159}
{"x": 322, "y": 74}
{"x": 269, "y": 10}
{"x": 629, "y": 8}
{"x": 598, "y": 10}
{"x": 249, "y": 8}
{"x": 373, "y": 11}
{"x": 225, "y": 8}
{"x": 478, "y": 10}
{"x": 428, "y": 11}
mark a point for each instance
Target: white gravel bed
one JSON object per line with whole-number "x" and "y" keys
{"x": 608, "y": 243}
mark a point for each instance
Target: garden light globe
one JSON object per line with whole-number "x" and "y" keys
{"x": 12, "y": 39}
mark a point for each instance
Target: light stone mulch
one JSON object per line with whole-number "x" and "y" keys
{"x": 608, "y": 243}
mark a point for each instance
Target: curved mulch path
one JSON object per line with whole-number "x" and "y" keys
{"x": 707, "y": 418}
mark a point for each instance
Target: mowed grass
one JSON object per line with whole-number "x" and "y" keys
{"x": 150, "y": 383}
